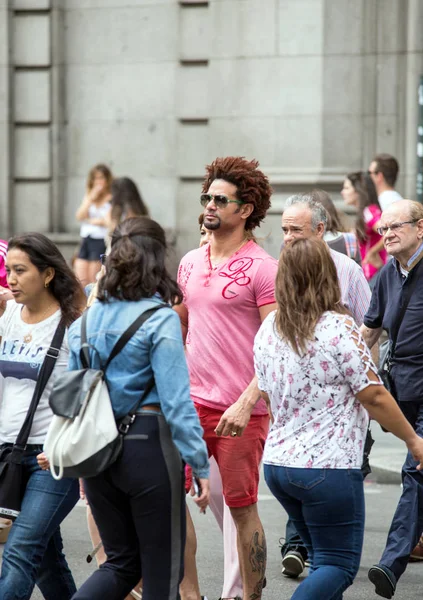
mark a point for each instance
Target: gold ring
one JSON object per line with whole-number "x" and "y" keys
{"x": 234, "y": 433}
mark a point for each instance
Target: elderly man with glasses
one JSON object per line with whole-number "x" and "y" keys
{"x": 397, "y": 307}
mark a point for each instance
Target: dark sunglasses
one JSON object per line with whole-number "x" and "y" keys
{"x": 220, "y": 200}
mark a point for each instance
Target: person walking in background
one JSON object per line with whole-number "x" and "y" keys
{"x": 45, "y": 292}
{"x": 304, "y": 218}
{"x": 228, "y": 288}
{"x": 383, "y": 170}
{"x": 126, "y": 202}
{"x": 402, "y": 278}
{"x": 359, "y": 191}
{"x": 205, "y": 234}
{"x": 93, "y": 214}
{"x": 336, "y": 236}
{"x": 138, "y": 503}
{"x": 316, "y": 372}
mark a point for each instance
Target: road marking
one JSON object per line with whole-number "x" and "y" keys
{"x": 266, "y": 497}
{"x": 372, "y": 490}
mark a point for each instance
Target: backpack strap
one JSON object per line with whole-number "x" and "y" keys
{"x": 122, "y": 341}
{"x": 351, "y": 244}
{"x": 84, "y": 354}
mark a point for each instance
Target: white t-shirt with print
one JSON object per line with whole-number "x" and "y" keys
{"x": 318, "y": 423}
{"x": 19, "y": 367}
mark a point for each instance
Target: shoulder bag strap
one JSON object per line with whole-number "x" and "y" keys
{"x": 42, "y": 379}
{"x": 405, "y": 302}
{"x": 126, "y": 421}
{"x": 132, "y": 329}
{"x": 122, "y": 341}
{"x": 84, "y": 354}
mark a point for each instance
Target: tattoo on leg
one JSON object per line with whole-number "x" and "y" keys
{"x": 258, "y": 555}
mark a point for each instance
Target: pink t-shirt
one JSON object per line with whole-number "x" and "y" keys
{"x": 223, "y": 318}
{"x": 3, "y": 274}
{"x": 371, "y": 216}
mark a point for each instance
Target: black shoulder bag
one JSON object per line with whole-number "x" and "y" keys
{"x": 387, "y": 349}
{"x": 12, "y": 481}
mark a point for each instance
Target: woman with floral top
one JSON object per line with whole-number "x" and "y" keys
{"x": 316, "y": 372}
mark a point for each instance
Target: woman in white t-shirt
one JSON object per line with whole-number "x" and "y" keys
{"x": 317, "y": 373}
{"x": 45, "y": 291}
{"x": 94, "y": 216}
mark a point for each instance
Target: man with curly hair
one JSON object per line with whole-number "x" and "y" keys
{"x": 228, "y": 288}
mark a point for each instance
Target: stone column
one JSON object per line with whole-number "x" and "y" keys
{"x": 413, "y": 69}
{"x": 5, "y": 108}
{"x": 30, "y": 116}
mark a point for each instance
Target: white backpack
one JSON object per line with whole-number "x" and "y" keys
{"x": 84, "y": 438}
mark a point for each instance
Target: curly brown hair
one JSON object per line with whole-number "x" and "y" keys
{"x": 252, "y": 185}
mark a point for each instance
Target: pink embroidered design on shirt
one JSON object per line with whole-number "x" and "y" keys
{"x": 236, "y": 272}
{"x": 184, "y": 273}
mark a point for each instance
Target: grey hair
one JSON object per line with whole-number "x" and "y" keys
{"x": 318, "y": 211}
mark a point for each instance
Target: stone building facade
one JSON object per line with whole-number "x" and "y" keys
{"x": 158, "y": 88}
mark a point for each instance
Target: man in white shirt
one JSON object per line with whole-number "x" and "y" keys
{"x": 384, "y": 172}
{"x": 303, "y": 217}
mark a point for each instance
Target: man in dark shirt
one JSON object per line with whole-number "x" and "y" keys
{"x": 402, "y": 227}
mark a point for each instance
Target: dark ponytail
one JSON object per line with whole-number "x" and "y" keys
{"x": 135, "y": 267}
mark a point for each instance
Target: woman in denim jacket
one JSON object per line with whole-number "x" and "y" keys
{"x": 139, "y": 502}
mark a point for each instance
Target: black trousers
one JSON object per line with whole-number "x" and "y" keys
{"x": 407, "y": 524}
{"x": 139, "y": 507}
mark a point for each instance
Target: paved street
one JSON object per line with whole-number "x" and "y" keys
{"x": 381, "y": 500}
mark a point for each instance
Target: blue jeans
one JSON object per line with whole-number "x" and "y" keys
{"x": 407, "y": 524}
{"x": 327, "y": 508}
{"x": 33, "y": 552}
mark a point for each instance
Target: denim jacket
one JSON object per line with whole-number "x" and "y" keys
{"x": 156, "y": 348}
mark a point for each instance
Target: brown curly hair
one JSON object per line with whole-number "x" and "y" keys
{"x": 252, "y": 185}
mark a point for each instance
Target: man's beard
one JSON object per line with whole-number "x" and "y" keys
{"x": 212, "y": 225}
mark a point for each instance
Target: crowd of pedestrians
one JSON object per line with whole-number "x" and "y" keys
{"x": 242, "y": 360}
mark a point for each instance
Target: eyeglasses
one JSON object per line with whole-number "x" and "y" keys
{"x": 220, "y": 200}
{"x": 394, "y": 226}
{"x": 103, "y": 258}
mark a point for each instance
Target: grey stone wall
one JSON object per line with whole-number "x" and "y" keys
{"x": 158, "y": 88}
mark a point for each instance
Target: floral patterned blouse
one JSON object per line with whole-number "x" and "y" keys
{"x": 318, "y": 423}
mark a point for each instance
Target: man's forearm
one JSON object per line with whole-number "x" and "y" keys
{"x": 370, "y": 336}
{"x": 251, "y": 395}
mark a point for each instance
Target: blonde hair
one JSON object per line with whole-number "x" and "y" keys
{"x": 104, "y": 170}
